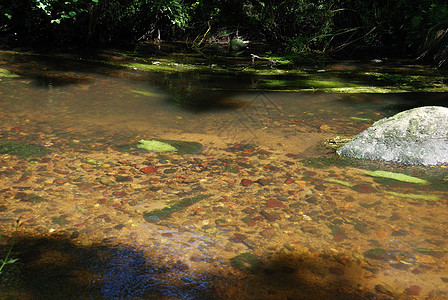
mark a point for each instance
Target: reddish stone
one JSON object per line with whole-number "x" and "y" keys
{"x": 265, "y": 152}
{"x": 167, "y": 234}
{"x": 270, "y": 217}
{"x": 119, "y": 193}
{"x": 413, "y": 290}
{"x": 271, "y": 203}
{"x": 246, "y": 182}
{"x": 249, "y": 221}
{"x": 339, "y": 236}
{"x": 148, "y": 169}
{"x": 364, "y": 188}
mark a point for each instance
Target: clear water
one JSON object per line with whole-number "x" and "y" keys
{"x": 279, "y": 215}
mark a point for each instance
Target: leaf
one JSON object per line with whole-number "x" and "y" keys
{"x": 396, "y": 176}
{"x": 11, "y": 261}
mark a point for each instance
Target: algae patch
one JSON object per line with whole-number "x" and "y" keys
{"x": 159, "y": 214}
{"x": 345, "y": 183}
{"x": 396, "y": 176}
{"x": 153, "y": 145}
{"x": 7, "y": 74}
{"x": 22, "y": 149}
{"x": 145, "y": 93}
{"x": 414, "y": 196}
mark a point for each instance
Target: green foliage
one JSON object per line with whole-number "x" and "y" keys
{"x": 6, "y": 260}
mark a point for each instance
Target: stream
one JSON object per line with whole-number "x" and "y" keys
{"x": 254, "y": 204}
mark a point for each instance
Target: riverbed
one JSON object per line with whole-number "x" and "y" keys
{"x": 254, "y": 204}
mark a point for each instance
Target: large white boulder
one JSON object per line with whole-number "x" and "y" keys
{"x": 415, "y": 136}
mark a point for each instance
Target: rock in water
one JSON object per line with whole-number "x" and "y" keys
{"x": 415, "y": 136}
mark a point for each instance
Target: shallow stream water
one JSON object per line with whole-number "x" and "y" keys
{"x": 265, "y": 210}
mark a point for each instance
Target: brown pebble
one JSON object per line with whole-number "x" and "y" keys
{"x": 268, "y": 233}
{"x": 413, "y": 290}
{"x": 364, "y": 188}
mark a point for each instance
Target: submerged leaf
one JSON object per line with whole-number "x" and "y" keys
{"x": 396, "y": 176}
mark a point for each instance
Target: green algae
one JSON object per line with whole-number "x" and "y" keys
{"x": 7, "y": 74}
{"x": 360, "y": 119}
{"x": 160, "y": 214}
{"x": 377, "y": 253}
{"x": 396, "y": 176}
{"x": 59, "y": 220}
{"x": 165, "y": 145}
{"x": 414, "y": 196}
{"x": 145, "y": 93}
{"x": 245, "y": 261}
{"x": 430, "y": 251}
{"x": 325, "y": 162}
{"x": 156, "y": 146}
{"x": 184, "y": 147}
{"x": 345, "y": 183}
{"x": 33, "y": 198}
{"x": 91, "y": 161}
{"x": 22, "y": 149}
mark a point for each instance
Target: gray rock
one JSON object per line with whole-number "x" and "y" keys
{"x": 415, "y": 136}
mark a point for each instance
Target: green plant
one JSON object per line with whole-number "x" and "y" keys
{"x": 6, "y": 260}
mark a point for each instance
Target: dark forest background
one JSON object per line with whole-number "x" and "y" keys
{"x": 341, "y": 28}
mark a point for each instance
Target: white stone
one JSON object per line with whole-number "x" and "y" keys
{"x": 415, "y": 136}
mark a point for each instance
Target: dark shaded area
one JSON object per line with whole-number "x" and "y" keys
{"x": 341, "y": 28}
{"x": 57, "y": 268}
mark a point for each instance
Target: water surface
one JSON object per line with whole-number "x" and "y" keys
{"x": 264, "y": 211}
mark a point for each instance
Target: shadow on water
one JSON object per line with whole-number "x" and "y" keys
{"x": 394, "y": 103}
{"x": 198, "y": 87}
{"x": 57, "y": 268}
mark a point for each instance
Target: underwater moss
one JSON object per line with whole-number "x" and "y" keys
{"x": 22, "y": 149}
{"x": 184, "y": 147}
{"x": 245, "y": 261}
{"x": 34, "y": 198}
{"x": 345, "y": 183}
{"x": 377, "y": 253}
{"x": 7, "y": 74}
{"x": 91, "y": 161}
{"x": 159, "y": 214}
{"x": 59, "y": 220}
{"x": 414, "y": 196}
